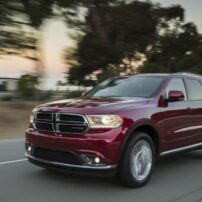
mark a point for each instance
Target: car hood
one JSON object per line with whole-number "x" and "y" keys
{"x": 91, "y": 105}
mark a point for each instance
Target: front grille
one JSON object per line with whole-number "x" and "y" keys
{"x": 44, "y": 116}
{"x": 56, "y": 156}
{"x": 70, "y": 118}
{"x": 44, "y": 126}
{"x": 60, "y": 122}
{"x": 70, "y": 128}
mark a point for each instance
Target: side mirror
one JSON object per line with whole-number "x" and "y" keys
{"x": 174, "y": 96}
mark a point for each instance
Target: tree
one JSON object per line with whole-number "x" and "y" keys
{"x": 27, "y": 86}
{"x": 112, "y": 36}
{"x": 118, "y": 30}
{"x": 113, "y": 31}
{"x": 20, "y": 22}
{"x": 174, "y": 46}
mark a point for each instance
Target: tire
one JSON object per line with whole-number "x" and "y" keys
{"x": 138, "y": 161}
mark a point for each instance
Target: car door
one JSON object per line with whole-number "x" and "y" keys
{"x": 194, "y": 87}
{"x": 176, "y": 118}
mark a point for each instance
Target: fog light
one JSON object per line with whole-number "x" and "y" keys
{"x": 91, "y": 159}
{"x": 97, "y": 160}
{"x": 29, "y": 148}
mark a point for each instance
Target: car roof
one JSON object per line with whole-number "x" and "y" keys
{"x": 180, "y": 74}
{"x": 153, "y": 74}
{"x": 187, "y": 74}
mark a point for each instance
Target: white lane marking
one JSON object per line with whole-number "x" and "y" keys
{"x": 12, "y": 140}
{"x": 15, "y": 161}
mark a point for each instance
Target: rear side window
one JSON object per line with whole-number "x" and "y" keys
{"x": 176, "y": 84}
{"x": 195, "y": 89}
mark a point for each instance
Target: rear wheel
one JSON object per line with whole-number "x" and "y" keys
{"x": 138, "y": 161}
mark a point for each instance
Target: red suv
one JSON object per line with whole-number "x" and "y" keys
{"x": 120, "y": 127}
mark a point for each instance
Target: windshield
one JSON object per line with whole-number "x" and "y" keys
{"x": 135, "y": 86}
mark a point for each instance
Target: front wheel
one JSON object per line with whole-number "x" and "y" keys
{"x": 138, "y": 161}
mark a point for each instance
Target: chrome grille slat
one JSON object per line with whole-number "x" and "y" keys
{"x": 71, "y": 122}
{"x": 74, "y": 124}
{"x": 61, "y": 122}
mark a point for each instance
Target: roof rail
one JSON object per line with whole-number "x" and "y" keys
{"x": 188, "y": 74}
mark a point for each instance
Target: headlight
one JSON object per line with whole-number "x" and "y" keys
{"x": 104, "y": 121}
{"x": 32, "y": 116}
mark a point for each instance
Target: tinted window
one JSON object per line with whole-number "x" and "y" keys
{"x": 195, "y": 89}
{"x": 135, "y": 86}
{"x": 178, "y": 85}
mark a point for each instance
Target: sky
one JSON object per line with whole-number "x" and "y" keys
{"x": 55, "y": 39}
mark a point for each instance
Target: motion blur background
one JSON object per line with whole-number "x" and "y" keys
{"x": 55, "y": 49}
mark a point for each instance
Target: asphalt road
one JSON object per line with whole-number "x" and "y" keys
{"x": 176, "y": 179}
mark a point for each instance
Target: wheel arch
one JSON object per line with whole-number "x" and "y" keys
{"x": 147, "y": 128}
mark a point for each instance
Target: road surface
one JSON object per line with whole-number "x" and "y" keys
{"x": 176, "y": 179}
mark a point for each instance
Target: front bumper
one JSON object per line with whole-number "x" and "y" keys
{"x": 108, "y": 170}
{"x": 105, "y": 145}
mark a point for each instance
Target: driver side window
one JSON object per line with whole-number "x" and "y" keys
{"x": 176, "y": 85}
